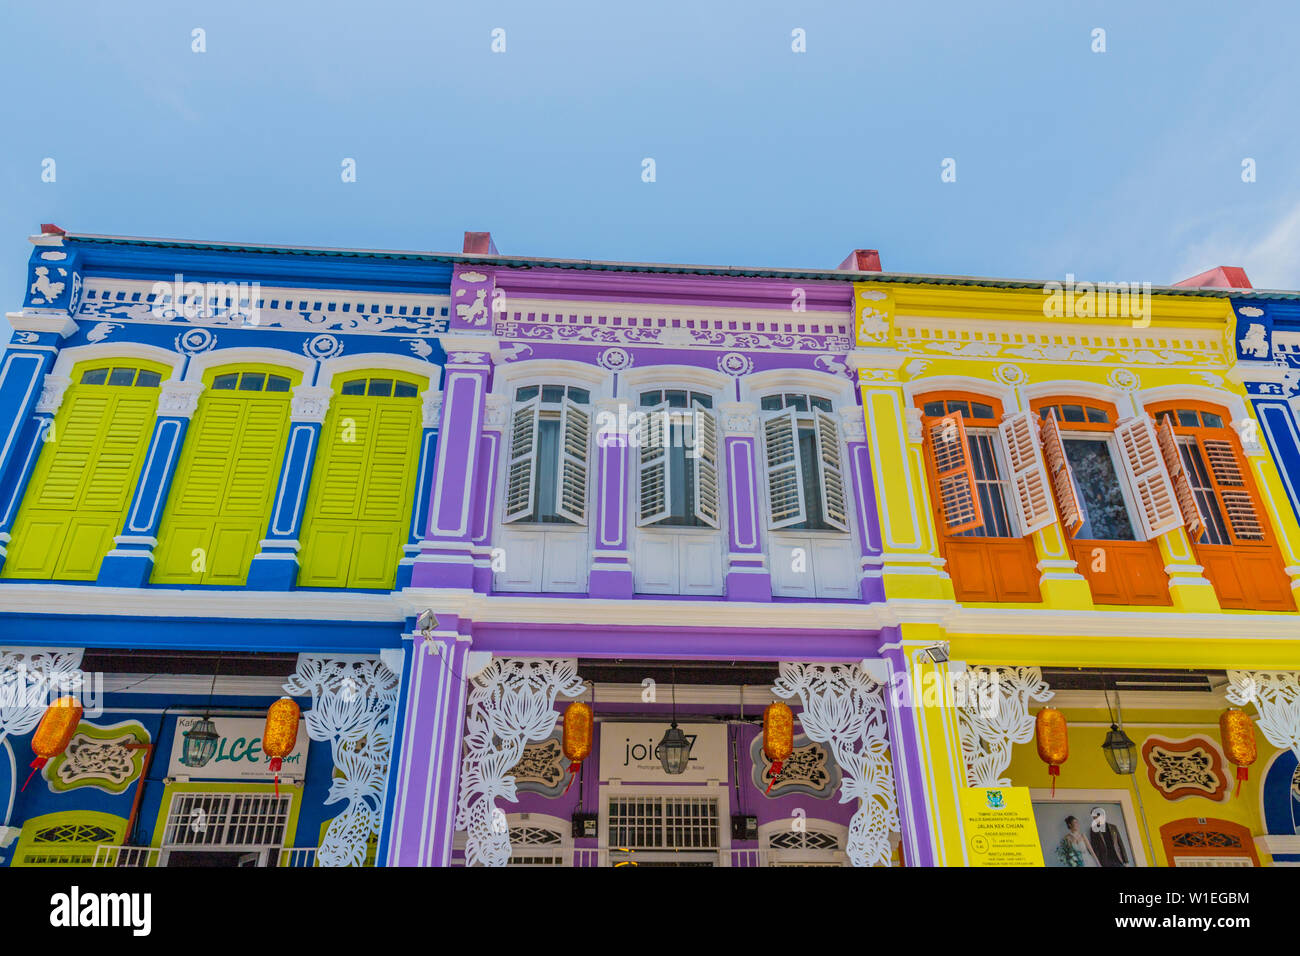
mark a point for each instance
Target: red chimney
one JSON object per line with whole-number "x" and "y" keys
{"x": 862, "y": 260}
{"x": 479, "y": 244}
{"x": 50, "y": 229}
{"x": 1220, "y": 277}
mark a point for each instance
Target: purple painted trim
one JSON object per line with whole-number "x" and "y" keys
{"x": 742, "y": 498}
{"x": 603, "y": 583}
{"x": 458, "y": 438}
{"x": 910, "y": 780}
{"x": 865, "y": 490}
{"x": 611, "y": 496}
{"x": 749, "y": 585}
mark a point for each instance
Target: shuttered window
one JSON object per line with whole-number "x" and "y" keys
{"x": 1145, "y": 468}
{"x": 805, "y": 474}
{"x": 954, "y": 476}
{"x": 223, "y": 493}
{"x": 550, "y": 438}
{"x": 81, "y": 488}
{"x": 674, "y": 436}
{"x": 363, "y": 484}
{"x": 1030, "y": 482}
{"x": 1064, "y": 487}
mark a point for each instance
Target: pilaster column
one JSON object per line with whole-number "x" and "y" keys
{"x": 870, "y": 582}
{"x": 446, "y": 558}
{"x": 29, "y": 435}
{"x": 611, "y": 566}
{"x": 432, "y": 409}
{"x": 130, "y": 563}
{"x": 275, "y": 566}
{"x": 496, "y": 414}
{"x": 748, "y": 577}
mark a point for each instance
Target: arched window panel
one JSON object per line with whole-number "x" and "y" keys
{"x": 363, "y": 483}
{"x": 85, "y": 475}
{"x": 547, "y": 472}
{"x": 222, "y": 496}
{"x": 804, "y": 465}
{"x": 675, "y": 434}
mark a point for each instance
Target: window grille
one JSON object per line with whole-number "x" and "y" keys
{"x": 227, "y": 820}
{"x": 663, "y": 823}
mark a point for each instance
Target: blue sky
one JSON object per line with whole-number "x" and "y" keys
{"x": 1117, "y": 165}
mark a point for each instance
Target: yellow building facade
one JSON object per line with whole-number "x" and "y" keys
{"x": 1077, "y": 513}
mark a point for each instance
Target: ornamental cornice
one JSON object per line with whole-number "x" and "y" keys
{"x": 179, "y": 399}
{"x": 42, "y": 322}
{"x": 310, "y": 403}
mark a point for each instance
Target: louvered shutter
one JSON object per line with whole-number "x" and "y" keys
{"x": 954, "y": 474}
{"x": 651, "y": 438}
{"x": 571, "y": 489}
{"x": 521, "y": 474}
{"x": 342, "y": 466}
{"x": 1058, "y": 466}
{"x": 259, "y": 455}
{"x": 784, "y": 477}
{"x": 1193, "y": 520}
{"x": 1030, "y": 483}
{"x": 830, "y": 468}
{"x": 706, "y": 465}
{"x": 1244, "y": 519}
{"x": 1145, "y": 467}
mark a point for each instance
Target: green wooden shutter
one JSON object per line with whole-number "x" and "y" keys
{"x": 362, "y": 491}
{"x": 224, "y": 488}
{"x": 82, "y": 485}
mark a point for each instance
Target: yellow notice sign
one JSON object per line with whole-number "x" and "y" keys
{"x": 1000, "y": 828}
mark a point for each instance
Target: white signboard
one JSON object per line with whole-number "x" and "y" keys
{"x": 629, "y": 752}
{"x": 239, "y": 753}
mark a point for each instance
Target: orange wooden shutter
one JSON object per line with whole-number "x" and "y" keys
{"x": 1140, "y": 455}
{"x": 1067, "y": 502}
{"x": 1230, "y": 481}
{"x": 1193, "y": 520}
{"x": 1029, "y": 475}
{"x": 954, "y": 475}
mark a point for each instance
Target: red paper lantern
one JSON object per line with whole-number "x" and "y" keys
{"x": 1053, "y": 741}
{"x": 577, "y": 737}
{"x": 1237, "y": 732}
{"x": 54, "y": 732}
{"x": 778, "y": 737}
{"x": 280, "y": 735}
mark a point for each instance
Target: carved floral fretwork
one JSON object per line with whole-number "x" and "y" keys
{"x": 511, "y": 703}
{"x": 844, "y": 708}
{"x": 1184, "y": 768}
{"x": 1276, "y": 696}
{"x": 31, "y": 679}
{"x": 994, "y": 715}
{"x": 354, "y": 699}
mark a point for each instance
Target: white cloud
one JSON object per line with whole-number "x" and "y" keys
{"x": 1271, "y": 259}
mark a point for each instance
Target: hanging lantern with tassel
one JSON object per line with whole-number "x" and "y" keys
{"x": 280, "y": 735}
{"x": 778, "y": 737}
{"x": 577, "y": 737}
{"x": 54, "y": 732}
{"x": 1053, "y": 741}
{"x": 1237, "y": 732}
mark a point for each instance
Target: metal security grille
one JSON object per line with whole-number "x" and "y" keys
{"x": 664, "y": 823}
{"x": 535, "y": 846}
{"x": 804, "y": 840}
{"x": 227, "y": 820}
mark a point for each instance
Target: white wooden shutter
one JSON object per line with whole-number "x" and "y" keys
{"x": 830, "y": 469}
{"x": 1139, "y": 453}
{"x": 1193, "y": 520}
{"x": 523, "y": 461}
{"x": 1030, "y": 482}
{"x": 1058, "y": 466}
{"x": 706, "y": 465}
{"x": 655, "y": 475}
{"x": 784, "y": 478}
{"x": 571, "y": 489}
{"x": 954, "y": 474}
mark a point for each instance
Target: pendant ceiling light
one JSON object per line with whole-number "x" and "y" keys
{"x": 675, "y": 748}
{"x": 1118, "y": 747}
{"x": 201, "y": 739}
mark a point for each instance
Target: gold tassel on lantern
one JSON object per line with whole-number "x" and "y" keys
{"x": 1053, "y": 741}
{"x": 1237, "y": 732}
{"x": 54, "y": 732}
{"x": 577, "y": 737}
{"x": 280, "y": 735}
{"x": 778, "y": 737}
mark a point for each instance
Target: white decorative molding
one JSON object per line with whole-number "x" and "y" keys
{"x": 52, "y": 390}
{"x": 853, "y": 427}
{"x": 511, "y": 703}
{"x": 993, "y": 715}
{"x": 735, "y": 364}
{"x": 844, "y": 708}
{"x": 739, "y": 418}
{"x": 498, "y": 411}
{"x": 431, "y": 407}
{"x": 179, "y": 399}
{"x": 354, "y": 702}
{"x": 32, "y": 678}
{"x": 912, "y": 416}
{"x": 310, "y": 403}
{"x": 1276, "y": 696}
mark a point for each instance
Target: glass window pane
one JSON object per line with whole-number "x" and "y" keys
{"x": 650, "y": 399}
{"x": 979, "y": 410}
{"x": 962, "y": 408}
{"x": 404, "y": 390}
{"x": 676, "y": 398}
{"x": 552, "y": 394}
{"x": 822, "y": 403}
{"x": 147, "y": 379}
{"x": 580, "y": 395}
{"x": 251, "y": 382}
{"x": 1046, "y": 412}
{"x": 355, "y": 387}
{"x": 1187, "y": 417}
{"x": 121, "y": 376}
{"x": 1211, "y": 420}
{"x": 933, "y": 410}
{"x": 277, "y": 383}
{"x": 226, "y": 381}
{"x": 1098, "y": 416}
{"x": 524, "y": 394}
{"x": 1072, "y": 413}
{"x": 770, "y": 403}
{"x": 1098, "y": 487}
{"x": 705, "y": 401}
{"x": 95, "y": 377}
{"x": 382, "y": 387}
{"x": 797, "y": 402}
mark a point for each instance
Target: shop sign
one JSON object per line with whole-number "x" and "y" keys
{"x": 239, "y": 754}
{"x": 628, "y": 752}
{"x": 999, "y": 827}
